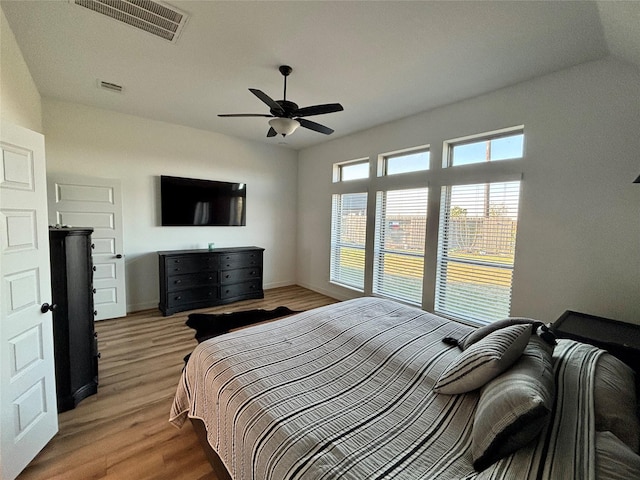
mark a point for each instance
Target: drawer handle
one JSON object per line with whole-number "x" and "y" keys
{"x": 95, "y": 312}
{"x": 94, "y": 268}
{"x": 178, "y": 282}
{"x": 210, "y": 277}
{"x": 226, "y": 276}
{"x": 94, "y": 291}
{"x": 227, "y": 291}
{"x": 176, "y": 269}
{"x": 252, "y": 273}
{"x": 178, "y": 298}
{"x": 176, "y": 261}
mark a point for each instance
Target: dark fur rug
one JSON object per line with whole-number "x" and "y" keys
{"x": 208, "y": 325}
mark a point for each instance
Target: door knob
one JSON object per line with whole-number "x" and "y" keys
{"x": 46, "y": 307}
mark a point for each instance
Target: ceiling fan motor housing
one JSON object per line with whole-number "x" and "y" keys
{"x": 288, "y": 107}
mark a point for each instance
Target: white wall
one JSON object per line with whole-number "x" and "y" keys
{"x": 578, "y": 244}
{"x": 19, "y": 98}
{"x": 88, "y": 141}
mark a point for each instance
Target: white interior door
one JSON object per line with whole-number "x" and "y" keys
{"x": 95, "y": 202}
{"x": 29, "y": 414}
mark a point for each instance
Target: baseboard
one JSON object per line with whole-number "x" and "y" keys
{"x": 131, "y": 308}
{"x": 268, "y": 286}
{"x": 342, "y": 296}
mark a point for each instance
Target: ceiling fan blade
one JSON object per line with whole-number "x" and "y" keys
{"x": 244, "y": 115}
{"x": 273, "y": 105}
{"x": 271, "y": 132}
{"x": 318, "y": 109}
{"x": 314, "y": 126}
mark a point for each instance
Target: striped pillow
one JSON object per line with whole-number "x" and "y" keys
{"x": 477, "y": 335}
{"x": 515, "y": 406}
{"x": 484, "y": 360}
{"x": 615, "y": 400}
{"x": 614, "y": 459}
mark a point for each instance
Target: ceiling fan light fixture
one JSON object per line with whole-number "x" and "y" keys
{"x": 284, "y": 126}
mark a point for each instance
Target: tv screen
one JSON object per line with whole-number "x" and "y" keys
{"x": 189, "y": 201}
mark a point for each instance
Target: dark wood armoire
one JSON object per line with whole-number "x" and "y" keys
{"x": 75, "y": 341}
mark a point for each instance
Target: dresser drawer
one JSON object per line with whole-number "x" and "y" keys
{"x": 194, "y": 295}
{"x": 180, "y": 282}
{"x": 239, "y": 260}
{"x": 241, "y": 289}
{"x": 239, "y": 275}
{"x": 191, "y": 263}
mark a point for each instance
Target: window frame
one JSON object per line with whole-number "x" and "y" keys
{"x": 380, "y": 251}
{"x": 449, "y": 145}
{"x": 336, "y": 245}
{"x": 468, "y": 269}
{"x": 382, "y": 170}
{"x": 339, "y": 167}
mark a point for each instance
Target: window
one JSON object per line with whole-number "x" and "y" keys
{"x": 348, "y": 234}
{"x": 405, "y": 162}
{"x": 344, "y": 172}
{"x": 504, "y": 146}
{"x": 444, "y": 234}
{"x": 476, "y": 247}
{"x": 401, "y": 221}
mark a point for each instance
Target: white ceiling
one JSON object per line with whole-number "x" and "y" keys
{"x": 382, "y": 60}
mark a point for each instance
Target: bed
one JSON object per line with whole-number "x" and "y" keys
{"x": 367, "y": 389}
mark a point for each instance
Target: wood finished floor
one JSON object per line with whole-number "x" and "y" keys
{"x": 123, "y": 432}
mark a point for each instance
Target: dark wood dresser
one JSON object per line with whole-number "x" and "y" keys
{"x": 75, "y": 341}
{"x": 191, "y": 279}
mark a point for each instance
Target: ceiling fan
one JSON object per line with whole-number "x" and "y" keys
{"x": 285, "y": 115}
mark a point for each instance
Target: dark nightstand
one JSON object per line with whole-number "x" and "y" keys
{"x": 618, "y": 338}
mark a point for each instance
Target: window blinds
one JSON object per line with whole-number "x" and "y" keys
{"x": 476, "y": 247}
{"x": 401, "y": 221}
{"x": 348, "y": 235}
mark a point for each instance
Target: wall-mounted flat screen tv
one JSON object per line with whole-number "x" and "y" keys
{"x": 193, "y": 202}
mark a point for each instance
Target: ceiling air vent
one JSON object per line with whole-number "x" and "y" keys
{"x": 161, "y": 20}
{"x": 112, "y": 87}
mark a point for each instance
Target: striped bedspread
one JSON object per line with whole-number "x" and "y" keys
{"x": 345, "y": 392}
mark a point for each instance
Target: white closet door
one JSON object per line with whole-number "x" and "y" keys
{"x": 95, "y": 202}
